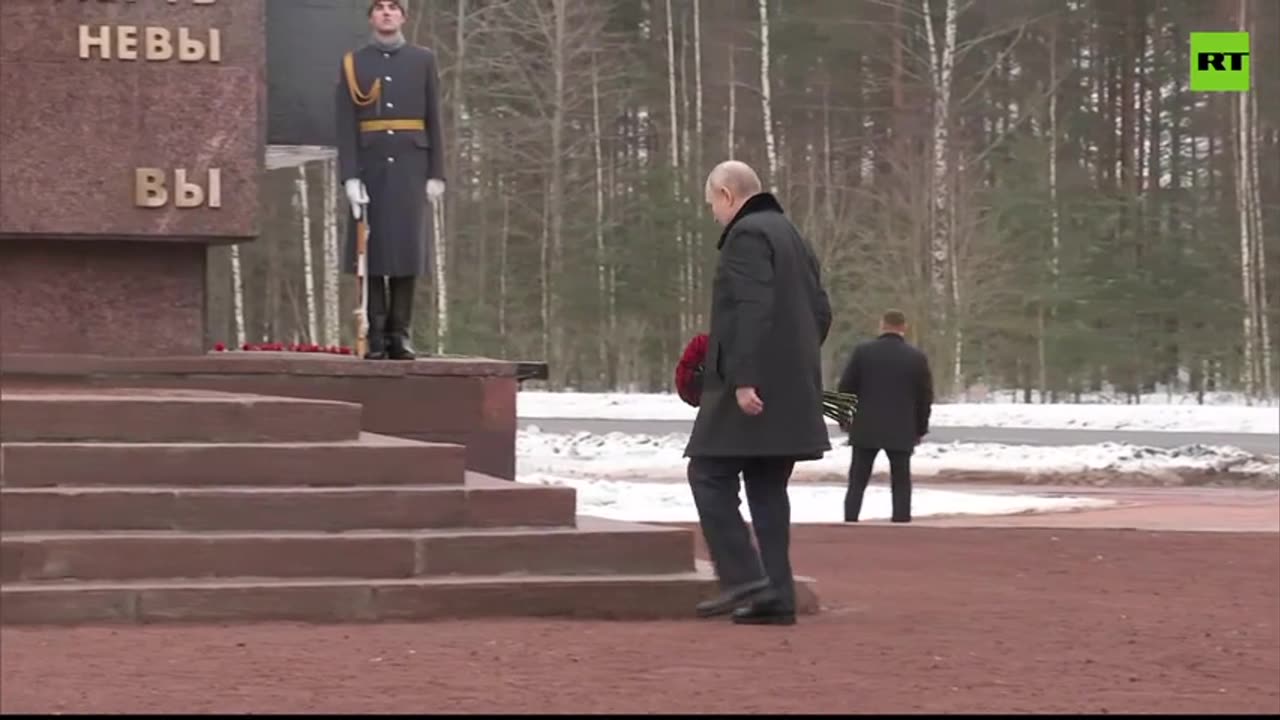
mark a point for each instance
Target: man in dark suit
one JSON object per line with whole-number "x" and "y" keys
{"x": 761, "y": 403}
{"x": 895, "y": 397}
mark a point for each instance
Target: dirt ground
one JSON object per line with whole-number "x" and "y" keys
{"x": 916, "y": 619}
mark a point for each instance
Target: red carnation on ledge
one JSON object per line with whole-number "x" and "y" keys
{"x": 840, "y": 407}
{"x": 291, "y": 347}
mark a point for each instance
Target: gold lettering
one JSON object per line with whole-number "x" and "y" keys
{"x": 102, "y": 41}
{"x": 186, "y": 194}
{"x": 152, "y": 43}
{"x": 151, "y": 189}
{"x": 148, "y": 188}
{"x": 127, "y": 42}
{"x": 215, "y": 188}
{"x": 189, "y": 49}
{"x": 215, "y": 45}
{"x": 159, "y": 44}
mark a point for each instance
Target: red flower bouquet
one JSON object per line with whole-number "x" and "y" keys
{"x": 838, "y": 406}
{"x": 689, "y": 370}
{"x": 290, "y": 347}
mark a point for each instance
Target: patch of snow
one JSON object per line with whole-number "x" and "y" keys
{"x": 1167, "y": 416}
{"x": 672, "y": 501}
{"x": 622, "y": 456}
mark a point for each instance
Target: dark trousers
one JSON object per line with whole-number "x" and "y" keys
{"x": 390, "y": 309}
{"x": 899, "y": 482}
{"x": 714, "y": 482}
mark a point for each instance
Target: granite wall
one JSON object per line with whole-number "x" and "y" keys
{"x": 132, "y": 135}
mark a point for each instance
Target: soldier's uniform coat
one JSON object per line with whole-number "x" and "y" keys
{"x": 394, "y": 164}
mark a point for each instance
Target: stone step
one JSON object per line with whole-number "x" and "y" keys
{"x": 158, "y": 416}
{"x": 480, "y": 502}
{"x": 594, "y": 547}
{"x": 337, "y": 600}
{"x": 369, "y": 460}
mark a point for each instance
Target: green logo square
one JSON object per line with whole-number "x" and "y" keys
{"x": 1220, "y": 61}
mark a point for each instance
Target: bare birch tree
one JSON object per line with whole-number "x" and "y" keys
{"x": 681, "y": 240}
{"x": 302, "y": 191}
{"x": 766, "y": 98}
{"x": 942, "y": 270}
{"x": 603, "y": 337}
{"x": 332, "y": 333}
{"x": 731, "y": 133}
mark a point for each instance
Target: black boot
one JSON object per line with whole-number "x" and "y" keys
{"x": 377, "y": 317}
{"x": 399, "y": 320}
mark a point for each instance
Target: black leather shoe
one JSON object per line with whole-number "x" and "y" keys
{"x": 763, "y": 613}
{"x": 398, "y": 348}
{"x": 726, "y": 601}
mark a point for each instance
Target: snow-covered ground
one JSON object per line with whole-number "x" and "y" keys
{"x": 641, "y": 478}
{"x": 623, "y": 456}
{"x": 1169, "y": 416}
{"x": 672, "y": 502}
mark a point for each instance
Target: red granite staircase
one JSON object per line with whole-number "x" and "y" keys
{"x": 168, "y": 505}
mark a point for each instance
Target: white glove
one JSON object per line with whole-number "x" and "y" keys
{"x": 435, "y": 188}
{"x": 357, "y": 196}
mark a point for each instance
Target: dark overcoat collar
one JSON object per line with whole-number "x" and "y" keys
{"x": 760, "y": 202}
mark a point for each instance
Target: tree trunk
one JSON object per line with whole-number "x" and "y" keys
{"x": 696, "y": 284}
{"x": 942, "y": 274}
{"x": 1250, "y": 104}
{"x": 1055, "y": 223}
{"x": 686, "y": 259}
{"x": 603, "y": 338}
{"x": 504, "y": 242}
{"x": 733, "y": 104}
{"x": 559, "y": 64}
{"x": 544, "y": 256}
{"x": 461, "y": 142}
{"x": 442, "y": 274}
{"x": 766, "y": 98}
{"x": 332, "y": 296}
{"x": 675, "y": 168}
{"x": 237, "y": 296}
{"x": 301, "y": 192}
{"x": 1241, "y": 117}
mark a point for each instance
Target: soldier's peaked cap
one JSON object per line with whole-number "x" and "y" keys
{"x": 373, "y": 5}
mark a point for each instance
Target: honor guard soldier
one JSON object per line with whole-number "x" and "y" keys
{"x": 390, "y": 151}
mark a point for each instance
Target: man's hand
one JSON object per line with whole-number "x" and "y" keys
{"x": 435, "y": 188}
{"x": 357, "y": 196}
{"x": 749, "y": 401}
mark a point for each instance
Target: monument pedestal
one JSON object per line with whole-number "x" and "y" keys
{"x": 101, "y": 297}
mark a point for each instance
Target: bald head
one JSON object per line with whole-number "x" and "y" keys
{"x": 730, "y": 184}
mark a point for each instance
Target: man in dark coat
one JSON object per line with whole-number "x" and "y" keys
{"x": 390, "y": 151}
{"x": 894, "y": 386}
{"x": 761, "y": 405}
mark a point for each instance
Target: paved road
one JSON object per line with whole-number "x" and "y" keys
{"x": 1259, "y": 443}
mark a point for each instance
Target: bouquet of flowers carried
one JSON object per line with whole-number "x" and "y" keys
{"x": 840, "y": 407}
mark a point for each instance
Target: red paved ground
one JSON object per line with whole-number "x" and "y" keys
{"x": 918, "y": 619}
